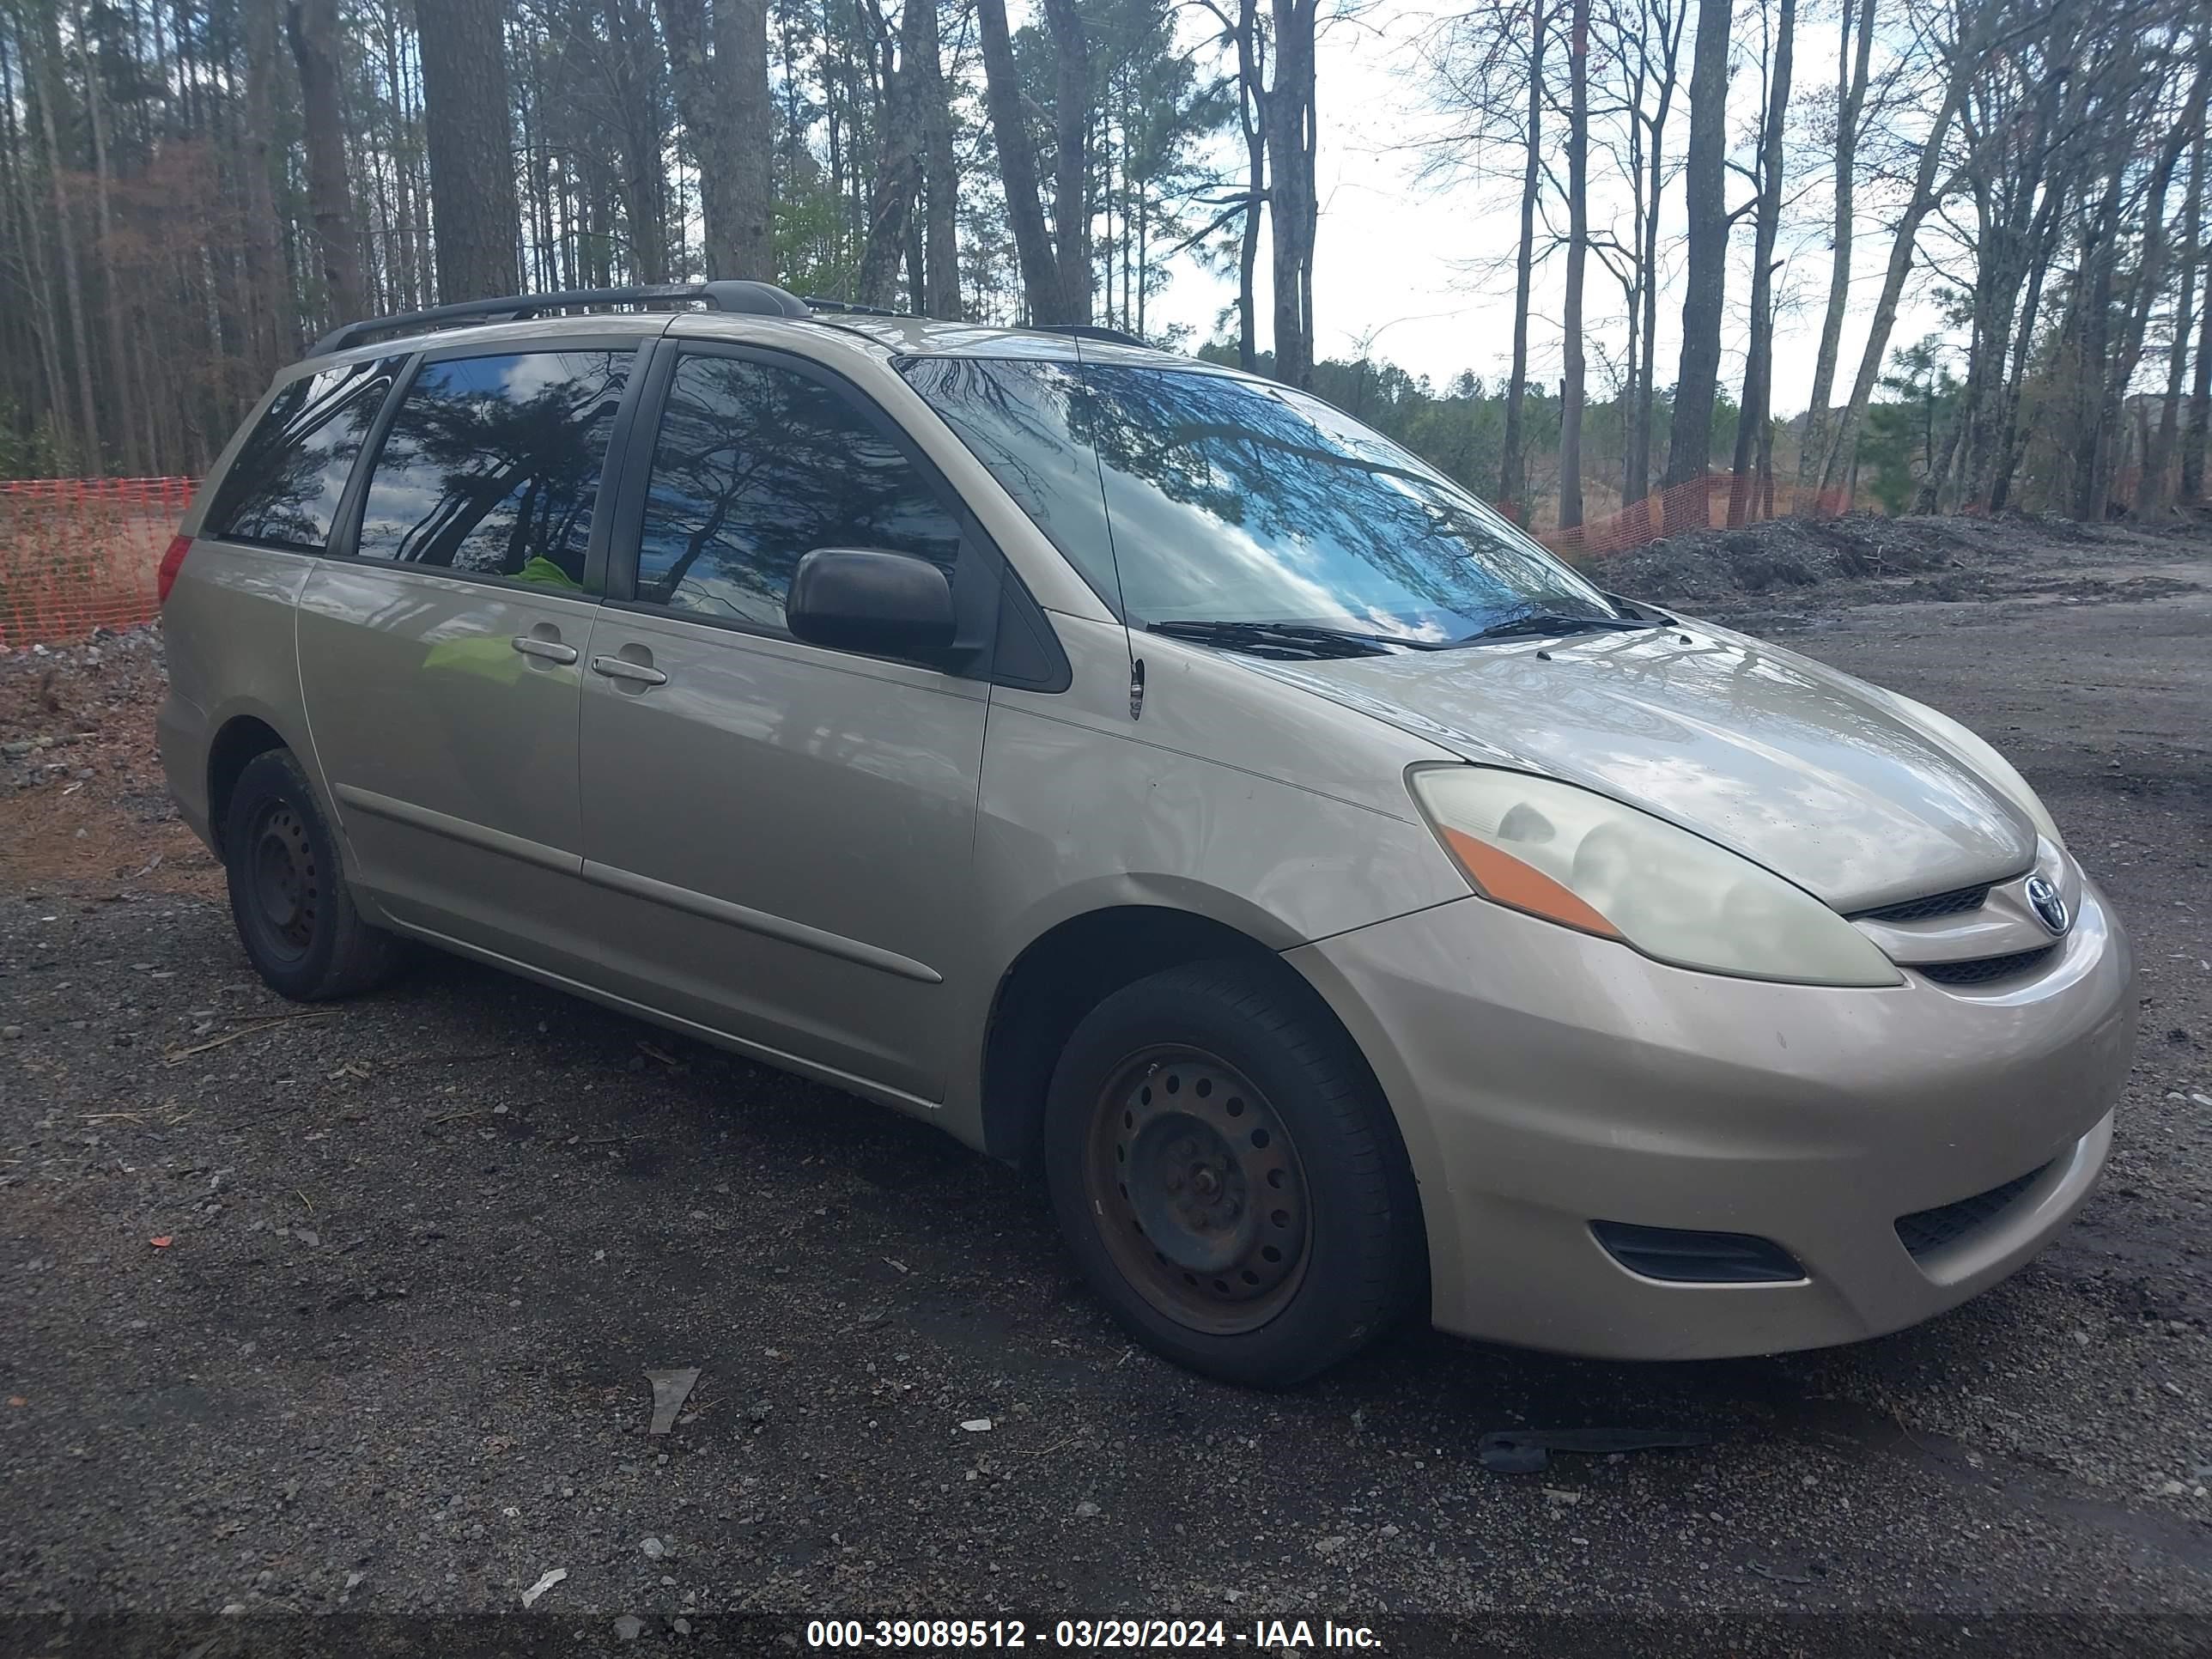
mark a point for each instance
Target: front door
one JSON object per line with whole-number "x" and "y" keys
{"x": 783, "y": 832}
{"x": 442, "y": 662}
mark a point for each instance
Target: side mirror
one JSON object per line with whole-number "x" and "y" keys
{"x": 855, "y": 599}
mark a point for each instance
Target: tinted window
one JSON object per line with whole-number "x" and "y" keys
{"x": 1190, "y": 495}
{"x": 492, "y": 466}
{"x": 754, "y": 468}
{"x": 283, "y": 487}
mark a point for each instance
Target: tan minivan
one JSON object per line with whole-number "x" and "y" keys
{"x": 1161, "y": 781}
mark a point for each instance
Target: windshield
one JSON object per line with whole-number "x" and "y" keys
{"x": 1228, "y": 500}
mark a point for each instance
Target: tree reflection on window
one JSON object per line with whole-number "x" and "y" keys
{"x": 1186, "y": 494}
{"x": 756, "y": 466}
{"x": 492, "y": 466}
{"x": 282, "y": 489}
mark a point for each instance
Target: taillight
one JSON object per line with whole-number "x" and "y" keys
{"x": 172, "y": 561}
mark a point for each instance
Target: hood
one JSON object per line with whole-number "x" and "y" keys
{"x": 1819, "y": 777}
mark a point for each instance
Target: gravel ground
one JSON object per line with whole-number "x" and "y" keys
{"x": 350, "y": 1309}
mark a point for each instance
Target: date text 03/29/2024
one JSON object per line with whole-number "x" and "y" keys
{"x": 1089, "y": 1635}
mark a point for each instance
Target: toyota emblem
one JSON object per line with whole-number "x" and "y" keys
{"x": 2049, "y": 908}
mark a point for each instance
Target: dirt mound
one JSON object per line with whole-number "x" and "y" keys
{"x": 1864, "y": 558}
{"x": 1787, "y": 553}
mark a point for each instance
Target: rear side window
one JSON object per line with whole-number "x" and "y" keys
{"x": 283, "y": 487}
{"x": 755, "y": 467}
{"x": 491, "y": 467}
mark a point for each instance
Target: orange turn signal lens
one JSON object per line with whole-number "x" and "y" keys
{"x": 1523, "y": 887}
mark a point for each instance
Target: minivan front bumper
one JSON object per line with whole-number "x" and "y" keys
{"x": 1545, "y": 1080}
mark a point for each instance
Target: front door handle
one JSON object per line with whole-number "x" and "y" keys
{"x": 546, "y": 650}
{"x": 622, "y": 668}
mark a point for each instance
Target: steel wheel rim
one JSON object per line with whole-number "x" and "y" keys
{"x": 1197, "y": 1190}
{"x": 280, "y": 880}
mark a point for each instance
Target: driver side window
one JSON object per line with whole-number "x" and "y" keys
{"x": 754, "y": 467}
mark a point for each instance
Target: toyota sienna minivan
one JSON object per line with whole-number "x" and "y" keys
{"x": 1162, "y": 783}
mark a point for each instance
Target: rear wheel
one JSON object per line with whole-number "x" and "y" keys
{"x": 295, "y": 915}
{"x": 1229, "y": 1175}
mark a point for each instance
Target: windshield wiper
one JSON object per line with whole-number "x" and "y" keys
{"x": 1549, "y": 623}
{"x": 1290, "y": 637}
{"x": 1306, "y": 639}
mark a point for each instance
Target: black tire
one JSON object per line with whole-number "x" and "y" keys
{"x": 1291, "y": 1118}
{"x": 295, "y": 915}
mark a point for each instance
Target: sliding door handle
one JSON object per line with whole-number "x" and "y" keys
{"x": 622, "y": 668}
{"x": 545, "y": 650}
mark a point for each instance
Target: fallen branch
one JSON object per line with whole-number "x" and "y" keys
{"x": 176, "y": 1055}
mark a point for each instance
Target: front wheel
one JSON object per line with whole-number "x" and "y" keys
{"x": 1229, "y": 1175}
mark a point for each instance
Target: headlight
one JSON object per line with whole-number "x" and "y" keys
{"x": 1588, "y": 862}
{"x": 1980, "y": 757}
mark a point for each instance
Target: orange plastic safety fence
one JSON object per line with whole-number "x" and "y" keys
{"x": 1717, "y": 501}
{"x": 77, "y": 554}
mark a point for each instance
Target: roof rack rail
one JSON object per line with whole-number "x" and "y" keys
{"x": 854, "y": 306}
{"x": 1093, "y": 331}
{"x": 748, "y": 298}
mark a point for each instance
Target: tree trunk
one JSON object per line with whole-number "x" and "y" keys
{"x": 2011, "y": 442}
{"x": 1002, "y": 90}
{"x": 465, "y": 120}
{"x": 1851, "y": 102}
{"x": 2150, "y": 273}
{"x": 940, "y": 288}
{"x": 134, "y": 457}
{"x": 1291, "y": 207}
{"x": 313, "y": 27}
{"x": 1689, "y": 448}
{"x": 1251, "y": 114}
{"x": 898, "y": 165}
{"x": 1571, "y": 387}
{"x": 275, "y": 330}
{"x": 1513, "y": 472}
{"x": 43, "y": 74}
{"x": 719, "y": 72}
{"x": 1071, "y": 190}
{"x": 38, "y": 273}
{"x": 2197, "y": 435}
{"x": 1638, "y": 480}
{"x": 2157, "y": 492}
{"x": 1751, "y": 435}
{"x": 641, "y": 134}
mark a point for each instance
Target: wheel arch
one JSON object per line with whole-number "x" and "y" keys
{"x": 1069, "y": 970}
{"x": 236, "y": 743}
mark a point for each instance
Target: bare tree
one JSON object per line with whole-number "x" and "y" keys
{"x": 2197, "y": 438}
{"x": 1513, "y": 470}
{"x": 1853, "y": 58}
{"x": 1651, "y": 39}
{"x": 1964, "y": 45}
{"x": 2158, "y": 488}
